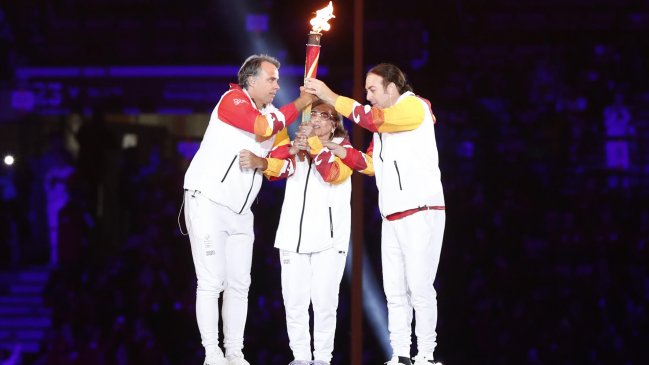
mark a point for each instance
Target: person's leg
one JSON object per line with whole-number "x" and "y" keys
{"x": 421, "y": 237}
{"x": 238, "y": 261}
{"x": 328, "y": 267}
{"x": 296, "y": 292}
{"x": 394, "y": 286}
{"x": 207, "y": 238}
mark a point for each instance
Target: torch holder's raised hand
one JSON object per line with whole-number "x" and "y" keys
{"x": 302, "y": 135}
{"x": 305, "y": 129}
{"x": 318, "y": 24}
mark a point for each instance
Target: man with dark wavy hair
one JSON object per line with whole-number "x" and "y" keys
{"x": 411, "y": 201}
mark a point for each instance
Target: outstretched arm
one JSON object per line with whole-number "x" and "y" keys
{"x": 355, "y": 159}
{"x": 405, "y": 115}
{"x": 236, "y": 109}
{"x": 328, "y": 165}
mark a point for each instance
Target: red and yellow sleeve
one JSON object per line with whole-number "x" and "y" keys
{"x": 236, "y": 109}
{"x": 281, "y": 164}
{"x": 330, "y": 167}
{"x": 359, "y": 161}
{"x": 406, "y": 115}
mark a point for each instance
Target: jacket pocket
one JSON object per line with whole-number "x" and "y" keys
{"x": 396, "y": 167}
{"x": 252, "y": 185}
{"x": 229, "y": 167}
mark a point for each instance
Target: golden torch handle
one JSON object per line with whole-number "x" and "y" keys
{"x": 311, "y": 66}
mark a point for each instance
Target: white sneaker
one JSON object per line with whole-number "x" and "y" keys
{"x": 320, "y": 362}
{"x": 425, "y": 360}
{"x": 237, "y": 359}
{"x": 399, "y": 360}
{"x": 300, "y": 362}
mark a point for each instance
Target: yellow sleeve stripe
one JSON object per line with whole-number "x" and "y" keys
{"x": 275, "y": 167}
{"x": 369, "y": 160}
{"x": 406, "y": 115}
{"x": 339, "y": 172}
{"x": 315, "y": 144}
{"x": 344, "y": 105}
{"x": 281, "y": 138}
{"x": 262, "y": 127}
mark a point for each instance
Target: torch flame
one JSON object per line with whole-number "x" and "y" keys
{"x": 322, "y": 16}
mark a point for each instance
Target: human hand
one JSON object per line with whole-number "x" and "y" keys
{"x": 320, "y": 89}
{"x": 293, "y": 150}
{"x": 309, "y": 97}
{"x": 299, "y": 148}
{"x": 306, "y": 130}
{"x": 301, "y": 142}
{"x": 248, "y": 160}
{"x": 335, "y": 148}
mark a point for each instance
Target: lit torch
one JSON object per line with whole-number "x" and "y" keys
{"x": 319, "y": 23}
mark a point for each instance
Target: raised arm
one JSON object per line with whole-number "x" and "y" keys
{"x": 236, "y": 109}
{"x": 407, "y": 114}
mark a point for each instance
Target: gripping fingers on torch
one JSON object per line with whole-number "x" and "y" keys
{"x": 302, "y": 144}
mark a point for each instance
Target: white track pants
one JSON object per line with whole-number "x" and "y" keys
{"x": 311, "y": 278}
{"x": 221, "y": 243}
{"x": 410, "y": 251}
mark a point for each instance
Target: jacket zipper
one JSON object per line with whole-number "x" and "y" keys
{"x": 398, "y": 175}
{"x": 252, "y": 183}
{"x": 229, "y": 167}
{"x": 331, "y": 223}
{"x": 306, "y": 185}
{"x": 381, "y": 150}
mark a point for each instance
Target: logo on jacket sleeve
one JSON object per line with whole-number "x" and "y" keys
{"x": 238, "y": 101}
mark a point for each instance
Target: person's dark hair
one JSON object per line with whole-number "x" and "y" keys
{"x": 391, "y": 73}
{"x": 251, "y": 67}
{"x": 339, "y": 128}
